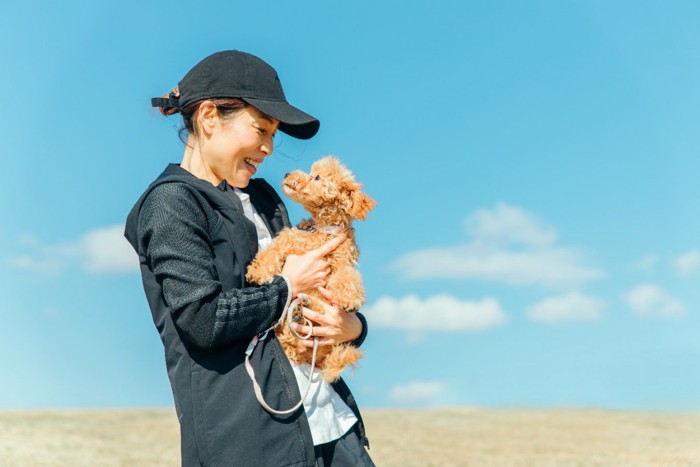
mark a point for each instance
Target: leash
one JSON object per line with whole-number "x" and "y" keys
{"x": 297, "y": 302}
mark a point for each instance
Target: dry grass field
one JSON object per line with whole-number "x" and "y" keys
{"x": 435, "y": 437}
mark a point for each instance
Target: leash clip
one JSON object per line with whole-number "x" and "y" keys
{"x": 251, "y": 346}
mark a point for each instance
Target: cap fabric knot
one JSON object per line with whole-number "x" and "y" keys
{"x": 168, "y": 103}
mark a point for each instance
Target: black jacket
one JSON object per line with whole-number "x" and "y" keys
{"x": 194, "y": 245}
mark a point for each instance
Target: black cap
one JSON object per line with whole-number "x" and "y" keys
{"x": 235, "y": 74}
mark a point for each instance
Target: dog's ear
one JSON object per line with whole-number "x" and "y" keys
{"x": 360, "y": 204}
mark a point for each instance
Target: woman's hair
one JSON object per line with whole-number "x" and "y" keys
{"x": 225, "y": 106}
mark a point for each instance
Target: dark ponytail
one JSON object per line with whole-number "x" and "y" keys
{"x": 226, "y": 107}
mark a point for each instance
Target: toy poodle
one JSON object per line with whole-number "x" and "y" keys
{"x": 334, "y": 199}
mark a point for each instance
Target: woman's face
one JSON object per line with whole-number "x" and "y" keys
{"x": 238, "y": 144}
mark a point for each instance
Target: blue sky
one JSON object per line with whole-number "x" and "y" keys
{"x": 536, "y": 240}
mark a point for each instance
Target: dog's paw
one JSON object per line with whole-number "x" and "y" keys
{"x": 350, "y": 309}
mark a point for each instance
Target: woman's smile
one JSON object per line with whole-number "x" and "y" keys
{"x": 252, "y": 164}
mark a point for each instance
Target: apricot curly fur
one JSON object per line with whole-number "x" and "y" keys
{"x": 334, "y": 199}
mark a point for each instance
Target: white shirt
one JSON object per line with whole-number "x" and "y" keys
{"x": 264, "y": 237}
{"x": 329, "y": 417}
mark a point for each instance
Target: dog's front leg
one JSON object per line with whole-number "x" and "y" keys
{"x": 346, "y": 286}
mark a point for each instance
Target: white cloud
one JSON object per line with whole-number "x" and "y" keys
{"x": 652, "y": 300}
{"x": 572, "y": 306}
{"x": 106, "y": 250}
{"x": 509, "y": 225}
{"x": 99, "y": 251}
{"x": 688, "y": 262}
{"x": 442, "y": 313}
{"x": 416, "y": 393}
{"x": 507, "y": 245}
{"x": 554, "y": 267}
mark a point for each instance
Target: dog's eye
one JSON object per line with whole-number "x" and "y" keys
{"x": 317, "y": 177}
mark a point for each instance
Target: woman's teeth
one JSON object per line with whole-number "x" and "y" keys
{"x": 252, "y": 162}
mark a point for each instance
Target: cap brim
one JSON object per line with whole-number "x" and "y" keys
{"x": 293, "y": 121}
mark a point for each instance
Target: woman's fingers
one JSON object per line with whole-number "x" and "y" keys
{"x": 321, "y": 342}
{"x": 330, "y": 326}
{"x": 317, "y": 332}
{"x": 331, "y": 245}
{"x": 319, "y": 319}
{"x": 327, "y": 296}
{"x": 310, "y": 271}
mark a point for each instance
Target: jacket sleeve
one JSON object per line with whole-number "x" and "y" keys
{"x": 173, "y": 235}
{"x": 363, "y": 335}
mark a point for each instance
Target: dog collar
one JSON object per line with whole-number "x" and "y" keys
{"x": 329, "y": 229}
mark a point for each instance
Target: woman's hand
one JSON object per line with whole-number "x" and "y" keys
{"x": 333, "y": 326}
{"x": 310, "y": 271}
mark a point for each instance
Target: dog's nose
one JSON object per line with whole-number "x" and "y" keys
{"x": 286, "y": 175}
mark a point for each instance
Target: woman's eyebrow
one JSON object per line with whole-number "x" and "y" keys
{"x": 268, "y": 119}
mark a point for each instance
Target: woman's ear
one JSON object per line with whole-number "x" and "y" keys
{"x": 206, "y": 119}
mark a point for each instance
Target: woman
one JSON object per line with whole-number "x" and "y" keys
{"x": 196, "y": 228}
